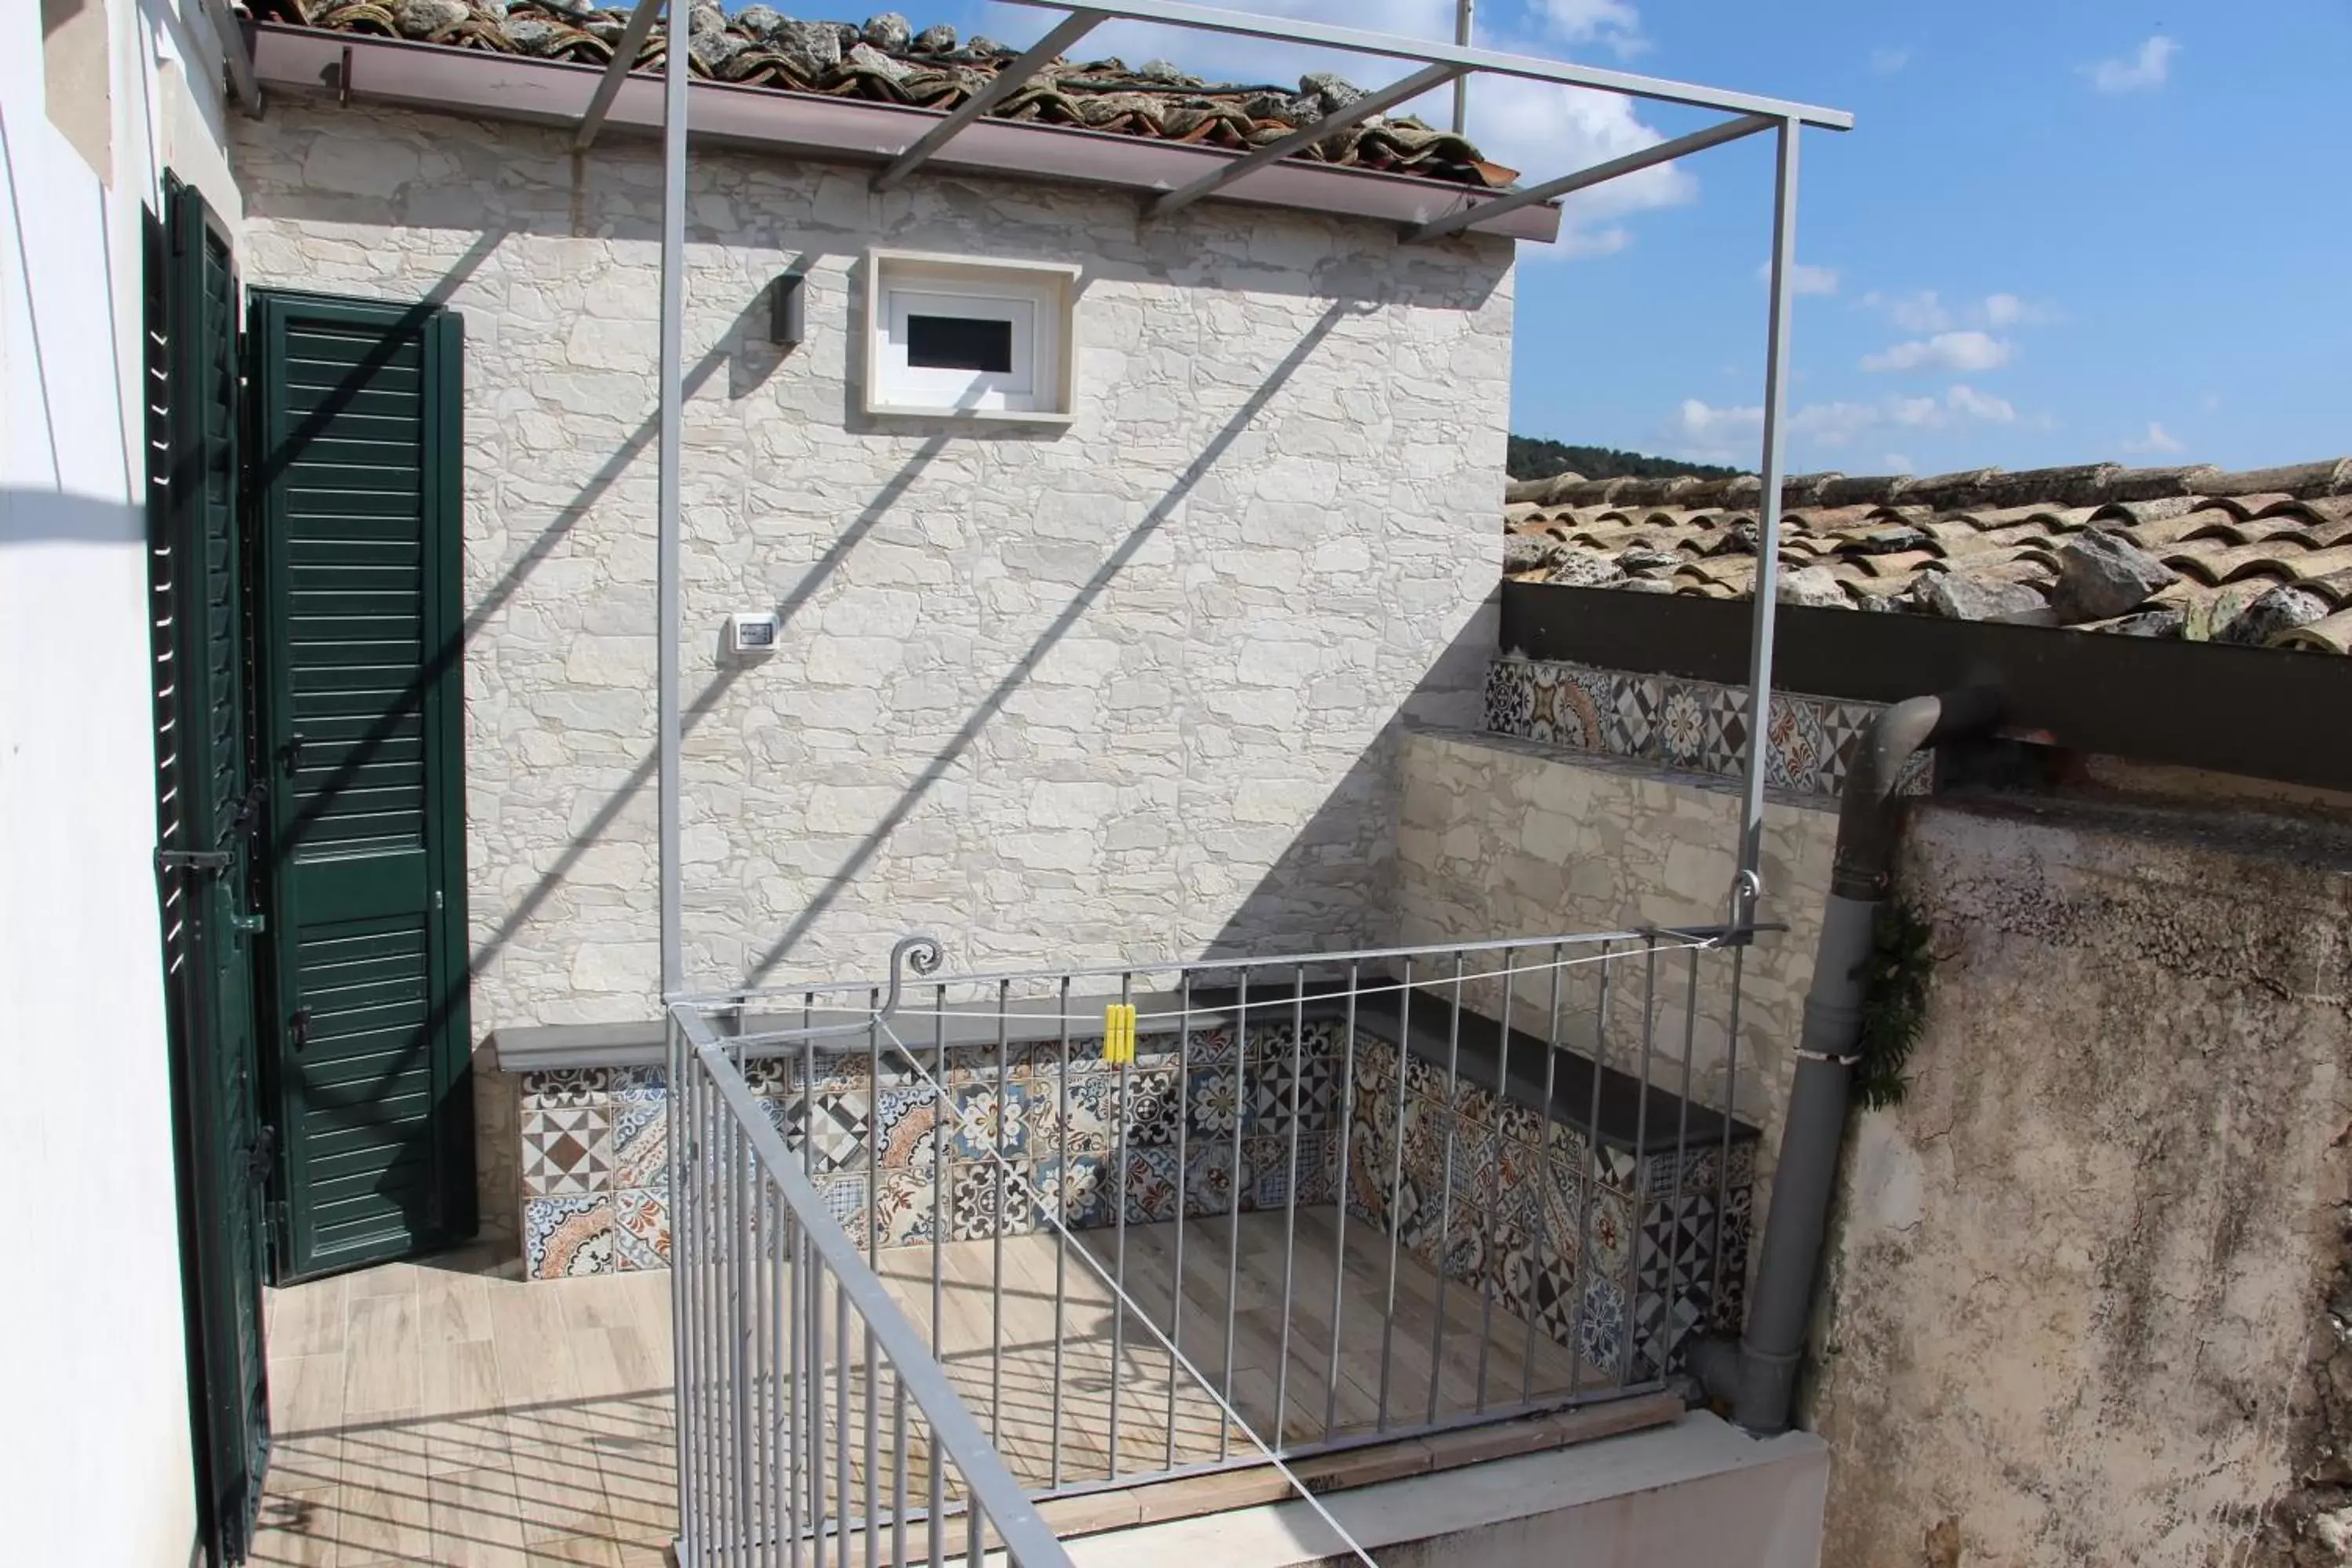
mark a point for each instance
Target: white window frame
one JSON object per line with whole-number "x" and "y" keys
{"x": 1037, "y": 298}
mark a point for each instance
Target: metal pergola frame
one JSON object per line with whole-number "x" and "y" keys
{"x": 1437, "y": 65}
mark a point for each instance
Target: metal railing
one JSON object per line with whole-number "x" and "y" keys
{"x": 809, "y": 1410}
{"x": 1285, "y": 1206}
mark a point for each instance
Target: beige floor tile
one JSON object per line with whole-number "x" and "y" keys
{"x": 308, "y": 1318}
{"x": 383, "y": 1363}
{"x": 577, "y": 1552}
{"x": 297, "y": 1525}
{"x": 476, "y": 1520}
{"x": 386, "y": 1519}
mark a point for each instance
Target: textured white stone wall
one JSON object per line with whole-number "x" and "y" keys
{"x": 1129, "y": 688}
{"x": 1502, "y": 838}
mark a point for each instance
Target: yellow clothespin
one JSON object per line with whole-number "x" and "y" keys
{"x": 1119, "y": 1034}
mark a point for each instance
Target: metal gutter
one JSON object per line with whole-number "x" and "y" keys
{"x": 436, "y": 79}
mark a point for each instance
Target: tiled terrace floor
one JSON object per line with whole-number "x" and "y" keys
{"x": 448, "y": 1413}
{"x": 439, "y": 1413}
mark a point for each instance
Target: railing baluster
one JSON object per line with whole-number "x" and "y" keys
{"x": 1290, "y": 1207}
{"x": 1183, "y": 1091}
{"x": 796, "y": 1431}
{"x": 1487, "y": 1264}
{"x": 898, "y": 1469}
{"x": 1636, "y": 1184}
{"x": 756, "y": 1306}
{"x": 943, "y": 1126}
{"x": 1060, "y": 1200}
{"x": 1396, "y": 1191}
{"x": 843, "y": 1494}
{"x": 1715, "y": 1296}
{"x": 1234, "y": 1204}
{"x": 739, "y": 1362}
{"x": 1344, "y": 1118}
{"x": 1445, "y": 1189}
{"x": 674, "y": 1159}
{"x": 1588, "y": 1181}
{"x": 1671, "y": 1283}
{"x": 1001, "y": 1101}
{"x": 1547, "y": 1245}
{"x": 815, "y": 1296}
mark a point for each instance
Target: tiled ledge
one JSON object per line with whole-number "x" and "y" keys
{"x": 1698, "y": 726}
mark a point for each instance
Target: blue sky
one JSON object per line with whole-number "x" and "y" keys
{"x": 2058, "y": 232}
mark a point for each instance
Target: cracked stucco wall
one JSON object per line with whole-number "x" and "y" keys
{"x": 2084, "y": 1304}
{"x": 1124, "y": 690}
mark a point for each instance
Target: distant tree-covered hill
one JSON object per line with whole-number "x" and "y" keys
{"x": 1532, "y": 457}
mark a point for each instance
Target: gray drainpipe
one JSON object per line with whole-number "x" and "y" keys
{"x": 1757, "y": 1375}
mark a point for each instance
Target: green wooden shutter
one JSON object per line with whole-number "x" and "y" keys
{"x": 206, "y": 817}
{"x": 362, "y": 537}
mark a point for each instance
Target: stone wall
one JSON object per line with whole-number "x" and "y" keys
{"x": 1062, "y": 696}
{"x": 2083, "y": 1305}
{"x": 1498, "y": 836}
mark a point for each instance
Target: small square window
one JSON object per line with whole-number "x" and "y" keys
{"x": 976, "y": 339}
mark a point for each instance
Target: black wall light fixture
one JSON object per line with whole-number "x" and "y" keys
{"x": 788, "y": 305}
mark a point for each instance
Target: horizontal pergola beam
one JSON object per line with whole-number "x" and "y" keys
{"x": 1284, "y": 29}
{"x": 1600, "y": 174}
{"x": 1000, "y": 86}
{"x": 625, "y": 60}
{"x": 1362, "y": 109}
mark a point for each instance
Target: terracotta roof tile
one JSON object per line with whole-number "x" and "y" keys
{"x": 2257, "y": 555}
{"x": 884, "y": 60}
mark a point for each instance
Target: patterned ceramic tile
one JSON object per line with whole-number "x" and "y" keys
{"x": 639, "y": 1085}
{"x": 843, "y": 1193}
{"x": 567, "y": 1152}
{"x": 1600, "y": 1325}
{"x": 1072, "y": 1118}
{"x": 978, "y": 1194}
{"x": 560, "y": 1086}
{"x": 906, "y": 1124}
{"x": 904, "y": 1207}
{"x": 1207, "y": 1048}
{"x": 831, "y": 1123}
{"x": 640, "y": 1144}
{"x": 1077, "y": 1190}
{"x": 567, "y": 1237}
{"x": 1607, "y": 1233}
{"x": 1281, "y": 1089}
{"x": 1698, "y": 725}
{"x": 640, "y": 1230}
{"x": 1213, "y": 1108}
{"x": 991, "y": 1117}
{"x": 773, "y": 1077}
{"x": 1146, "y": 1106}
{"x": 1149, "y": 1180}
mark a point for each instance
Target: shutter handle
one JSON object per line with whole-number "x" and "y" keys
{"x": 292, "y": 751}
{"x": 297, "y": 1028}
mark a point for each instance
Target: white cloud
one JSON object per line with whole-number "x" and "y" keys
{"x": 1612, "y": 23}
{"x": 2010, "y": 310}
{"x": 1705, "y": 433}
{"x": 1805, "y": 279}
{"x": 1897, "y": 463}
{"x": 1537, "y": 127}
{"x": 1967, "y": 400}
{"x": 2158, "y": 440}
{"x": 1963, "y": 350}
{"x": 1918, "y": 312}
{"x": 2144, "y": 71}
{"x": 1887, "y": 62}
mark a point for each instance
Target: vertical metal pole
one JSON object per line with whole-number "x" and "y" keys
{"x": 1396, "y": 1191}
{"x": 1183, "y": 1201}
{"x": 1002, "y": 1102}
{"x": 1233, "y": 1207}
{"x": 1589, "y": 1179}
{"x": 1454, "y": 1099}
{"x": 1125, "y": 1133}
{"x": 1463, "y": 11}
{"x": 666, "y": 527}
{"x": 1290, "y": 1206}
{"x": 1763, "y": 613}
{"x": 1061, "y": 1201}
{"x": 1494, "y": 1174}
{"x": 1548, "y": 1245}
{"x": 1638, "y": 1186}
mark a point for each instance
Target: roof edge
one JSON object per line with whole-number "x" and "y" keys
{"x": 435, "y": 78}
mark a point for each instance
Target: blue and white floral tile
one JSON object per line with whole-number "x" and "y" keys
{"x": 568, "y": 1236}
{"x": 638, "y": 1085}
{"x": 640, "y": 1144}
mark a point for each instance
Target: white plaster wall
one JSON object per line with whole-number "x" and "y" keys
{"x": 1125, "y": 689}
{"x": 95, "y": 1463}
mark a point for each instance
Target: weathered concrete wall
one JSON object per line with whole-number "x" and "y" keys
{"x": 2080, "y": 1306}
{"x": 1059, "y": 696}
{"x": 1499, "y": 837}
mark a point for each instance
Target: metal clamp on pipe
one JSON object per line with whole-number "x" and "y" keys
{"x": 1757, "y": 1375}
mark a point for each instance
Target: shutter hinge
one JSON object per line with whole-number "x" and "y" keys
{"x": 169, "y": 860}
